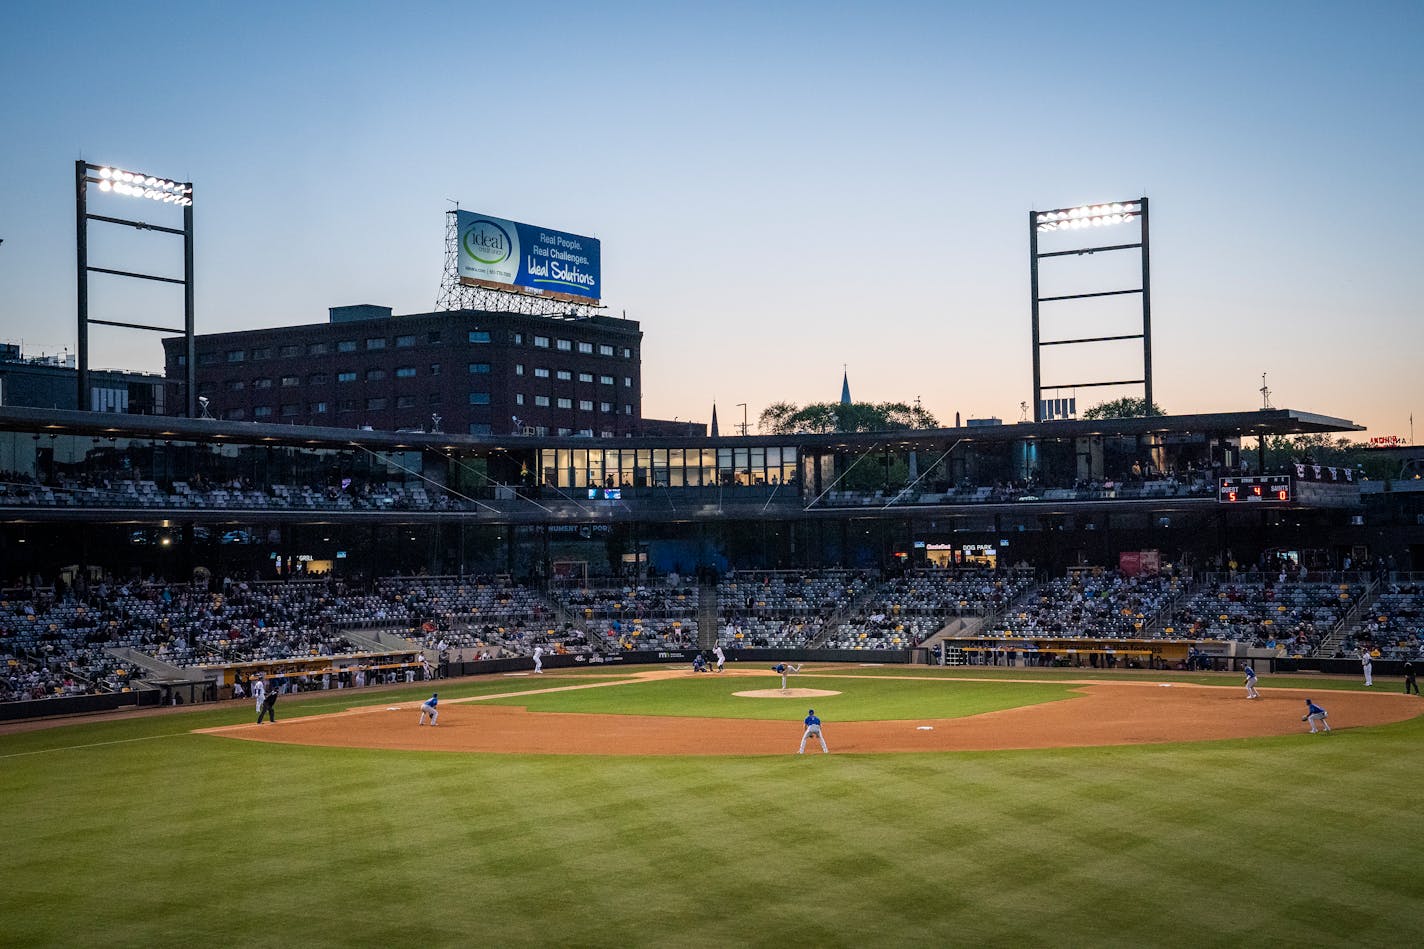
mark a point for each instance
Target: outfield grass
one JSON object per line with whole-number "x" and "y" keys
{"x": 1293, "y": 840}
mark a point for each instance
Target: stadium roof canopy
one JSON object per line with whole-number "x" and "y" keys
{"x": 1218, "y": 424}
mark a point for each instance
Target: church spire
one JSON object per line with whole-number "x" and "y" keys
{"x": 845, "y": 386}
{"x": 714, "y": 419}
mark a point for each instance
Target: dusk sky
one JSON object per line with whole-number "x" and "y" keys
{"x": 779, "y": 188}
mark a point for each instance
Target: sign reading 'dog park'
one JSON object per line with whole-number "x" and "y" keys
{"x": 507, "y": 255}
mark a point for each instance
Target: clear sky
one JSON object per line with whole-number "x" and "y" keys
{"x": 780, "y": 188}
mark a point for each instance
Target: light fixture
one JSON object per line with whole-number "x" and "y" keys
{"x": 1087, "y": 215}
{"x": 138, "y": 185}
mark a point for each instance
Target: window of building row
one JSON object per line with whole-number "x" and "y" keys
{"x": 667, "y": 467}
{"x": 479, "y": 336}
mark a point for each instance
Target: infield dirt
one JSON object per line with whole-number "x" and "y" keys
{"x": 1125, "y": 713}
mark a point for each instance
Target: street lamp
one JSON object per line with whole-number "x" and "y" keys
{"x": 162, "y": 190}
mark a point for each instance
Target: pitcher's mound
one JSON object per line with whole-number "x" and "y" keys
{"x": 784, "y": 693}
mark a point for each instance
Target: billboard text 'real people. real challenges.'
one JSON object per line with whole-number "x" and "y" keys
{"x": 509, "y": 255}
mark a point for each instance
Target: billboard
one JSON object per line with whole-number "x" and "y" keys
{"x": 507, "y": 255}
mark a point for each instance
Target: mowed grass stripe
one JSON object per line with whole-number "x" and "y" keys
{"x": 708, "y": 696}
{"x": 1289, "y": 840}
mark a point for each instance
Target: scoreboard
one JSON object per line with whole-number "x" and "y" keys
{"x": 1255, "y": 489}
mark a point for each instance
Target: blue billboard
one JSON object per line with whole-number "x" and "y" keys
{"x": 527, "y": 258}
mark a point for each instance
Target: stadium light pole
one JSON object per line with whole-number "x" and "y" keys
{"x": 1089, "y": 217}
{"x": 112, "y": 180}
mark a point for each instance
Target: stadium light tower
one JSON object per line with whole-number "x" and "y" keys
{"x": 1089, "y": 218}
{"x": 111, "y": 180}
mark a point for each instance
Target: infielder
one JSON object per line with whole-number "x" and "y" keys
{"x": 813, "y": 727}
{"x": 428, "y": 708}
{"x": 259, "y": 692}
{"x": 1251, "y": 692}
{"x": 721, "y": 657}
{"x": 539, "y": 659}
{"x": 1314, "y": 713}
{"x": 1367, "y": 667}
{"x": 783, "y": 670}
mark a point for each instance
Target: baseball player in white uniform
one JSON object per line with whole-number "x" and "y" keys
{"x": 428, "y": 707}
{"x": 259, "y": 692}
{"x": 1367, "y": 667}
{"x": 813, "y": 727}
{"x": 721, "y": 656}
{"x": 539, "y": 659}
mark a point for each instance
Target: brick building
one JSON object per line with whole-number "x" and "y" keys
{"x": 477, "y": 371}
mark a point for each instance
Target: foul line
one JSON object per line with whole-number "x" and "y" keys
{"x": 96, "y": 744}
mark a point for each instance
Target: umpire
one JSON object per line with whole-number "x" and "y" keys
{"x": 269, "y": 706}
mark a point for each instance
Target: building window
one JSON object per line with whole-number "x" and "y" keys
{"x": 262, "y": 411}
{"x": 519, "y": 398}
{"x": 565, "y": 375}
{"x": 289, "y": 381}
{"x": 376, "y": 342}
{"x": 375, "y": 405}
{"x": 287, "y": 352}
{"x": 207, "y": 359}
{"x": 234, "y": 385}
{"x": 479, "y": 368}
{"x": 405, "y": 372}
{"x": 585, "y": 405}
{"x": 519, "y": 369}
{"x": 433, "y": 336}
{"x": 375, "y": 375}
{"x": 346, "y": 346}
{"x": 627, "y": 382}
{"x": 605, "y": 407}
{"x": 479, "y": 398}
{"x": 403, "y": 342}
{"x": 605, "y": 380}
{"x": 234, "y": 415}
{"x": 405, "y": 402}
{"x": 264, "y": 352}
{"x": 542, "y": 342}
{"x": 261, "y": 383}
{"x": 586, "y": 348}
{"x": 289, "y": 409}
{"x": 605, "y": 350}
{"x": 566, "y": 403}
{"x": 627, "y": 353}
{"x": 542, "y": 401}
{"x": 627, "y": 409}
{"x": 316, "y": 349}
{"x": 566, "y": 431}
{"x": 435, "y": 369}
{"x": 519, "y": 339}
{"x": 585, "y": 377}
{"x": 541, "y": 372}
{"x": 479, "y": 336}
{"x": 566, "y": 345}
{"x": 317, "y": 379}
{"x": 236, "y": 355}
{"x": 316, "y": 408}
{"x": 346, "y": 377}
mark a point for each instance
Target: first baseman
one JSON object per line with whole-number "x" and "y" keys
{"x": 428, "y": 707}
{"x": 813, "y": 727}
{"x": 1314, "y": 713}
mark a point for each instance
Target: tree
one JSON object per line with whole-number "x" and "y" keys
{"x": 784, "y": 418}
{"x": 1128, "y": 407}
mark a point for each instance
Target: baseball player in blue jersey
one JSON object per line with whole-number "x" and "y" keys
{"x": 813, "y": 727}
{"x": 428, "y": 707}
{"x": 784, "y": 670}
{"x": 1251, "y": 692}
{"x": 1314, "y": 713}
{"x": 699, "y": 664}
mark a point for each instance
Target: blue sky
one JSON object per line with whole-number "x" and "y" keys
{"x": 780, "y": 189}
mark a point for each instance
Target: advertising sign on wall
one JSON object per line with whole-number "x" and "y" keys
{"x": 508, "y": 255}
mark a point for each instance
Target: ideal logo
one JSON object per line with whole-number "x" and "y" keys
{"x": 487, "y": 242}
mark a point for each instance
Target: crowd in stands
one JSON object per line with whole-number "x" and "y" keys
{"x": 1289, "y": 615}
{"x": 1103, "y": 604}
{"x": 1393, "y": 625}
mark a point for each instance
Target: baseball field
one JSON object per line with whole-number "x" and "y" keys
{"x": 655, "y": 807}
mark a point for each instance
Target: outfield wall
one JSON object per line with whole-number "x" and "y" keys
{"x": 681, "y": 657}
{"x": 77, "y": 704}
